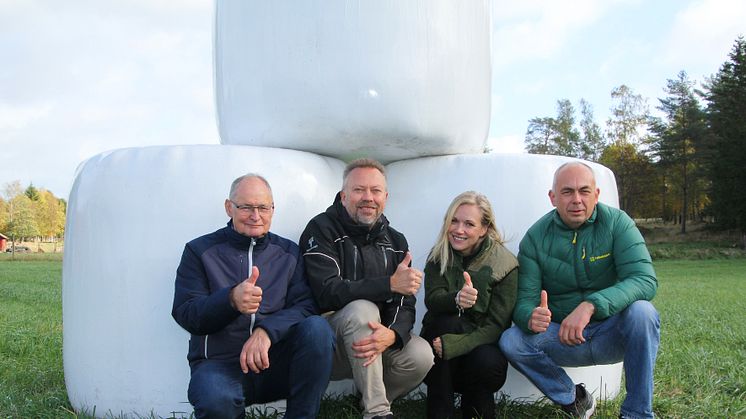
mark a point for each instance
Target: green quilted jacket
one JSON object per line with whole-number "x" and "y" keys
{"x": 604, "y": 262}
{"x": 493, "y": 273}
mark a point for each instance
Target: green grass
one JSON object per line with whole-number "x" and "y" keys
{"x": 701, "y": 368}
{"x": 31, "y": 379}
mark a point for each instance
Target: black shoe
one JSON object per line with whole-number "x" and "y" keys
{"x": 583, "y": 406}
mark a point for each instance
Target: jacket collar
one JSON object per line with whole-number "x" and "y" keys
{"x": 240, "y": 241}
{"x": 351, "y": 227}
{"x": 458, "y": 258}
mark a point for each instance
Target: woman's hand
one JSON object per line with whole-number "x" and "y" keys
{"x": 438, "y": 347}
{"x": 467, "y": 297}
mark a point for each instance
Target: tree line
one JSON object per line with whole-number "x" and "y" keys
{"x": 31, "y": 214}
{"x": 687, "y": 164}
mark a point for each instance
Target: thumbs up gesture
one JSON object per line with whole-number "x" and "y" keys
{"x": 246, "y": 296}
{"x": 406, "y": 280}
{"x": 467, "y": 297}
{"x": 541, "y": 316}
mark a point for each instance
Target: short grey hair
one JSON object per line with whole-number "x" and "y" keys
{"x": 365, "y": 163}
{"x": 238, "y": 180}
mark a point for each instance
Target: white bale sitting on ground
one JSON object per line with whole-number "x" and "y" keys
{"x": 389, "y": 80}
{"x": 130, "y": 213}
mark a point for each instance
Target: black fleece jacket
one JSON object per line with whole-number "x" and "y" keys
{"x": 346, "y": 261}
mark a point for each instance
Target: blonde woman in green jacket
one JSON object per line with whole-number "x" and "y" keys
{"x": 470, "y": 291}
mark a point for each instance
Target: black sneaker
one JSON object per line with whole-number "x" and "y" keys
{"x": 583, "y": 406}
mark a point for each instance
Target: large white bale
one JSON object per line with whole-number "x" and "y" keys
{"x": 391, "y": 79}
{"x": 517, "y": 185}
{"x": 130, "y": 213}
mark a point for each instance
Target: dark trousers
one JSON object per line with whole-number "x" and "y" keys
{"x": 300, "y": 366}
{"x": 476, "y": 375}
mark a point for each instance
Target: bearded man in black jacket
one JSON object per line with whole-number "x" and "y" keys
{"x": 358, "y": 269}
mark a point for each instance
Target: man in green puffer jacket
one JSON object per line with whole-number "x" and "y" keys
{"x": 584, "y": 289}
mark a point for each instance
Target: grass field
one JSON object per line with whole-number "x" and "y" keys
{"x": 701, "y": 369}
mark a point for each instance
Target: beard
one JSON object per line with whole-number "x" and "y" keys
{"x": 366, "y": 219}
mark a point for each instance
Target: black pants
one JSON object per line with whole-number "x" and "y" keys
{"x": 476, "y": 375}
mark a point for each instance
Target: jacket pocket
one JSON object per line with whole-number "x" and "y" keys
{"x": 599, "y": 269}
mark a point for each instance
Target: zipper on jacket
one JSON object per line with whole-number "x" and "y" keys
{"x": 396, "y": 314}
{"x": 206, "y": 336}
{"x": 354, "y": 264}
{"x": 251, "y": 266}
{"x": 385, "y": 260}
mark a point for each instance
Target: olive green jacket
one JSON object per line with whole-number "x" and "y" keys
{"x": 494, "y": 274}
{"x": 605, "y": 262}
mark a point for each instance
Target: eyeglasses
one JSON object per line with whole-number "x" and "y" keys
{"x": 248, "y": 209}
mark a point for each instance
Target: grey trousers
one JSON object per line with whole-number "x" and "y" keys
{"x": 393, "y": 374}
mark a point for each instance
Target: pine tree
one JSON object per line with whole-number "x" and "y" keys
{"x": 726, "y": 113}
{"x": 678, "y": 138}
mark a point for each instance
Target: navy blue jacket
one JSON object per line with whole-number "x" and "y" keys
{"x": 212, "y": 265}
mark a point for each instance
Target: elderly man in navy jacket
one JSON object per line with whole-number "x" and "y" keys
{"x": 242, "y": 293}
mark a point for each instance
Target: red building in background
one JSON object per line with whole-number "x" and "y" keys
{"x": 3, "y": 242}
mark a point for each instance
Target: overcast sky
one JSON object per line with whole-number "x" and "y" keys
{"x": 80, "y": 77}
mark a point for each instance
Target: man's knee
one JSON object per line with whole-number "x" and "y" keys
{"x": 510, "y": 341}
{"x": 642, "y": 315}
{"x": 416, "y": 360}
{"x": 358, "y": 313}
{"x": 314, "y": 334}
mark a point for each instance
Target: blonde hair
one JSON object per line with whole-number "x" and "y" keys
{"x": 442, "y": 252}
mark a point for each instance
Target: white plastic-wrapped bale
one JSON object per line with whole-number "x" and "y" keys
{"x": 391, "y": 80}
{"x": 130, "y": 213}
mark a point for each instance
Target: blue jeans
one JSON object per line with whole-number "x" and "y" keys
{"x": 300, "y": 366}
{"x": 631, "y": 336}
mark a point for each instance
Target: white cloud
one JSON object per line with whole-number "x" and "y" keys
{"x": 18, "y": 117}
{"x": 704, "y": 33}
{"x": 539, "y": 29}
{"x": 86, "y": 77}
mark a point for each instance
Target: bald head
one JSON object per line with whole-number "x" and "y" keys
{"x": 574, "y": 193}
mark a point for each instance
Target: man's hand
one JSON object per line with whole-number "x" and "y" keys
{"x": 571, "y": 329}
{"x": 255, "y": 352}
{"x": 541, "y": 316}
{"x": 370, "y": 346}
{"x": 406, "y": 280}
{"x": 467, "y": 297}
{"x": 246, "y": 296}
{"x": 438, "y": 347}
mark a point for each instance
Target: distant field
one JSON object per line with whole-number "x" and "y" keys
{"x": 701, "y": 369}
{"x": 37, "y": 247}
{"x": 701, "y": 241}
